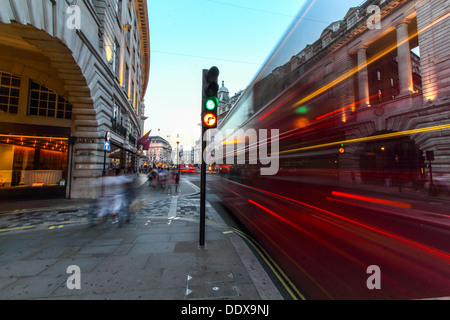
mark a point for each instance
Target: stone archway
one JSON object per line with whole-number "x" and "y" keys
{"x": 69, "y": 75}
{"x": 391, "y": 161}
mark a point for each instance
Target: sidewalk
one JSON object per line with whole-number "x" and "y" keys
{"x": 154, "y": 257}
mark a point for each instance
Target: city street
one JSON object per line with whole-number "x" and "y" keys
{"x": 152, "y": 257}
{"x": 310, "y": 137}
{"x": 332, "y": 237}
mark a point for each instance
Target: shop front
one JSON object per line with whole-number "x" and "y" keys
{"x": 33, "y": 161}
{"x": 121, "y": 158}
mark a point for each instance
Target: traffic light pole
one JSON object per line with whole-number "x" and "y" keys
{"x": 210, "y": 102}
{"x": 201, "y": 242}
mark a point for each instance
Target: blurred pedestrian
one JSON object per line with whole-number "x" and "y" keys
{"x": 177, "y": 179}
{"x": 105, "y": 197}
{"x": 163, "y": 176}
{"x": 171, "y": 181}
{"x": 154, "y": 177}
{"x": 113, "y": 188}
{"x": 117, "y": 189}
{"x": 130, "y": 196}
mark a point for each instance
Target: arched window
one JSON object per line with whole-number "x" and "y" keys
{"x": 47, "y": 103}
{"x": 9, "y": 92}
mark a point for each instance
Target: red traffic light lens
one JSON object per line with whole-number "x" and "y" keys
{"x": 209, "y": 120}
{"x": 212, "y": 89}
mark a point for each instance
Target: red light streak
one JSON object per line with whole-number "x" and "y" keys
{"x": 350, "y": 106}
{"x": 271, "y": 111}
{"x": 428, "y": 250}
{"x": 289, "y": 98}
{"x": 318, "y": 239}
{"x": 374, "y": 200}
{"x": 276, "y": 215}
{"x": 188, "y": 170}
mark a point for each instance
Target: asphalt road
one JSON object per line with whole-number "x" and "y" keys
{"x": 333, "y": 248}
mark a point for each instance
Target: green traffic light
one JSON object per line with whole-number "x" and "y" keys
{"x": 302, "y": 110}
{"x": 212, "y": 103}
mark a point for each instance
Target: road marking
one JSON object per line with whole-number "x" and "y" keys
{"x": 53, "y": 227}
{"x": 17, "y": 228}
{"x": 285, "y": 281}
{"x": 173, "y": 208}
{"x": 45, "y": 225}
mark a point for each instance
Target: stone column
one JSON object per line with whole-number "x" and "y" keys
{"x": 404, "y": 60}
{"x": 363, "y": 78}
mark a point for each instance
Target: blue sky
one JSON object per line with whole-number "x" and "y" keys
{"x": 187, "y": 36}
{"x": 237, "y": 36}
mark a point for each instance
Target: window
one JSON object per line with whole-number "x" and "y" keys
{"x": 126, "y": 78}
{"x": 380, "y": 95}
{"x": 328, "y": 68}
{"x": 131, "y": 95}
{"x": 9, "y": 92}
{"x": 336, "y": 27}
{"x": 119, "y": 9}
{"x": 116, "y": 110}
{"x": 352, "y": 21}
{"x": 46, "y": 103}
{"x": 117, "y": 113}
{"x": 116, "y": 65}
{"x": 127, "y": 37}
{"x": 326, "y": 41}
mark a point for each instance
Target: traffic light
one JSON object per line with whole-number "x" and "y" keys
{"x": 210, "y": 101}
{"x": 342, "y": 148}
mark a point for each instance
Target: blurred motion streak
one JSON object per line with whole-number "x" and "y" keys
{"x": 362, "y": 66}
{"x": 315, "y": 237}
{"x": 428, "y": 250}
{"x": 360, "y": 114}
{"x": 371, "y": 138}
{"x": 374, "y": 200}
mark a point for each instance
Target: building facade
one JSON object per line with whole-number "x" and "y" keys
{"x": 71, "y": 72}
{"x": 159, "y": 151}
{"x": 225, "y": 102}
{"x": 391, "y": 78}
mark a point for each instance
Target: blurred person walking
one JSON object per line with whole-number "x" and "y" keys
{"x": 154, "y": 176}
{"x": 171, "y": 181}
{"x": 114, "y": 186}
{"x": 177, "y": 179}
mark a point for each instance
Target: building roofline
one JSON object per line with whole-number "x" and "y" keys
{"x": 142, "y": 14}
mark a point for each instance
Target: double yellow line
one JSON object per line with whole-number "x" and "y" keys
{"x": 274, "y": 267}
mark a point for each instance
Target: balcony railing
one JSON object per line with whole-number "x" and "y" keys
{"x": 118, "y": 128}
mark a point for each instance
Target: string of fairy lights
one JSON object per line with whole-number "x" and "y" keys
{"x": 38, "y": 142}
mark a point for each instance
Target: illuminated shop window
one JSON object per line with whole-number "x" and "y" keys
{"x": 44, "y": 102}
{"x": 9, "y": 92}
